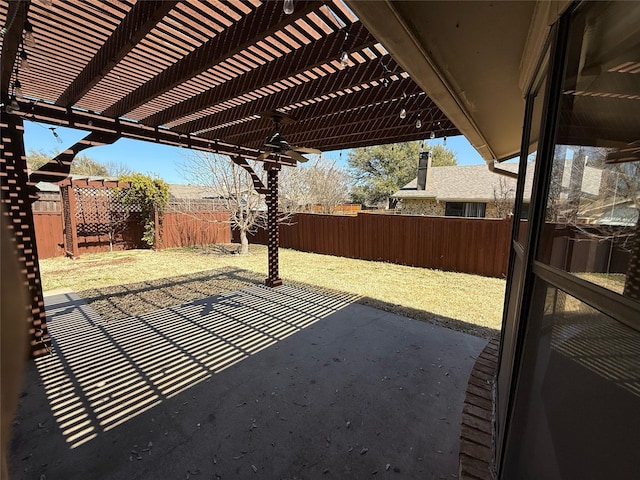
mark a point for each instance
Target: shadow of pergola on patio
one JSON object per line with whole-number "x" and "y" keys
{"x": 280, "y": 382}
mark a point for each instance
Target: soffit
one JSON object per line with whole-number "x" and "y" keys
{"x": 470, "y": 57}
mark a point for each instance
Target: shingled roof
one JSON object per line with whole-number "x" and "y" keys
{"x": 468, "y": 183}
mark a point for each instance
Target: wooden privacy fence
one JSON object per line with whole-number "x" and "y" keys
{"x": 470, "y": 245}
{"x": 178, "y": 230}
{"x": 194, "y": 228}
{"x": 49, "y": 234}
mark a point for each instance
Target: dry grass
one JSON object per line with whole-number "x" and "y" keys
{"x": 464, "y": 302}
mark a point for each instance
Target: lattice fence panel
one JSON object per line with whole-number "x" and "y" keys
{"x": 101, "y": 211}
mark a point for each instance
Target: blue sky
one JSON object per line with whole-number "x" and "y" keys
{"x": 147, "y": 157}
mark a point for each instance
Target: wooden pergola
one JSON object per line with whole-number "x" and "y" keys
{"x": 204, "y": 75}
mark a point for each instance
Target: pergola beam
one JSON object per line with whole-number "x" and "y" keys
{"x": 16, "y": 16}
{"x": 59, "y": 116}
{"x": 242, "y": 34}
{"x": 378, "y": 137}
{"x": 363, "y": 120}
{"x": 58, "y": 168}
{"x": 303, "y": 59}
{"x": 140, "y": 20}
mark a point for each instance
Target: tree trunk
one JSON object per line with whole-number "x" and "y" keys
{"x": 244, "y": 243}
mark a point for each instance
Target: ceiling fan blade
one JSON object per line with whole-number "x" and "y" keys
{"x": 306, "y": 150}
{"x": 263, "y": 156}
{"x": 296, "y": 156}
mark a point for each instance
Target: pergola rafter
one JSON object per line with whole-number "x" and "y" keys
{"x": 140, "y": 20}
{"x": 338, "y": 102}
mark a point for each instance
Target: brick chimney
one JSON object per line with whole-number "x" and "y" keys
{"x": 424, "y": 169}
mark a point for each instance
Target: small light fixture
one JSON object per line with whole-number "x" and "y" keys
{"x": 386, "y": 82}
{"x": 418, "y": 122}
{"x": 55, "y": 134}
{"x": 403, "y": 113}
{"x": 17, "y": 89}
{"x": 287, "y": 7}
{"x": 433, "y": 135}
{"x": 444, "y": 141}
{"x": 28, "y": 34}
{"x": 344, "y": 58}
{"x": 24, "y": 61}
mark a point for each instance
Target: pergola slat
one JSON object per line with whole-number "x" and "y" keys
{"x": 140, "y": 20}
{"x": 305, "y": 58}
{"x": 307, "y": 114}
{"x": 232, "y": 40}
{"x": 345, "y": 78}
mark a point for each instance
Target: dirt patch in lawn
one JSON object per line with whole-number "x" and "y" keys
{"x": 122, "y": 301}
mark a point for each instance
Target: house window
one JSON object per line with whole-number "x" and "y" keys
{"x": 465, "y": 209}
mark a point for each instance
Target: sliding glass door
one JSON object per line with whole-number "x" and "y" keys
{"x": 569, "y": 379}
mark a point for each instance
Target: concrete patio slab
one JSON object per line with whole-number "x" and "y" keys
{"x": 261, "y": 383}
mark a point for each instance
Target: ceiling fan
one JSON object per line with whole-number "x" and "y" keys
{"x": 276, "y": 143}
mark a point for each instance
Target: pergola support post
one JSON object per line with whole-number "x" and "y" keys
{"x": 69, "y": 220}
{"x": 273, "y": 280}
{"x": 17, "y": 202}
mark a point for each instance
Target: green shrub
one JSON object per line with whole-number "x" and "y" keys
{"x": 150, "y": 193}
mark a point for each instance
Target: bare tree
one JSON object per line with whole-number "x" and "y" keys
{"x": 599, "y": 199}
{"x": 503, "y": 198}
{"x": 117, "y": 169}
{"x": 235, "y": 188}
{"x": 327, "y": 184}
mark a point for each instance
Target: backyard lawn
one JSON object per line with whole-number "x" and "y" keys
{"x": 134, "y": 282}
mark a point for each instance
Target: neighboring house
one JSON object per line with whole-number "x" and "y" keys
{"x": 194, "y": 197}
{"x": 463, "y": 191}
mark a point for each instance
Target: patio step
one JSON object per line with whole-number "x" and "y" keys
{"x": 477, "y": 429}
